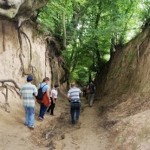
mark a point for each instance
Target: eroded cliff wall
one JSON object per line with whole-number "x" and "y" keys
{"x": 129, "y": 70}
{"x": 127, "y": 78}
{"x": 24, "y": 51}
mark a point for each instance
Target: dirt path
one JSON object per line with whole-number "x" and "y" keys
{"x": 13, "y": 134}
{"x": 86, "y": 135}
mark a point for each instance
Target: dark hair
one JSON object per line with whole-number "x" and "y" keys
{"x": 29, "y": 78}
{"x": 56, "y": 85}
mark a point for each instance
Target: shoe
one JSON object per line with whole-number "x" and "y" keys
{"x": 72, "y": 122}
{"x": 40, "y": 118}
{"x": 31, "y": 127}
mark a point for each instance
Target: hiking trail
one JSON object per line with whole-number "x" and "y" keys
{"x": 86, "y": 135}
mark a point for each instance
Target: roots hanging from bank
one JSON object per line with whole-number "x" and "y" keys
{"x": 30, "y": 67}
{"x": 8, "y": 87}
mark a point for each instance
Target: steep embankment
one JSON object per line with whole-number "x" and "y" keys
{"x": 129, "y": 73}
{"x": 23, "y": 51}
{"x": 125, "y": 102}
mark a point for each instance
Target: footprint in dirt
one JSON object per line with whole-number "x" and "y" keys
{"x": 74, "y": 142}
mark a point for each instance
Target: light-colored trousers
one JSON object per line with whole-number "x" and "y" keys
{"x": 91, "y": 99}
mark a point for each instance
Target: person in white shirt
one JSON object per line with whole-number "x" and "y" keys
{"x": 54, "y": 94}
{"x": 74, "y": 98}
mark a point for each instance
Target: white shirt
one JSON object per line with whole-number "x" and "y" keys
{"x": 74, "y": 93}
{"x": 54, "y": 93}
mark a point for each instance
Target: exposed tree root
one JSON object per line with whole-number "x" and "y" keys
{"x": 3, "y": 32}
{"x": 25, "y": 35}
{"x": 10, "y": 80}
{"x": 21, "y": 52}
{"x": 8, "y": 87}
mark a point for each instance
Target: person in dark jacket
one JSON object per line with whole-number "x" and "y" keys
{"x": 91, "y": 88}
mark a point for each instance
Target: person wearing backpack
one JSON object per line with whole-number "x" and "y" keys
{"x": 27, "y": 92}
{"x": 53, "y": 97}
{"x": 45, "y": 102}
{"x": 91, "y": 88}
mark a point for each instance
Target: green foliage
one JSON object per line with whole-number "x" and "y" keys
{"x": 92, "y": 29}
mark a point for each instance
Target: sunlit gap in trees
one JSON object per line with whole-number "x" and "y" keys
{"x": 136, "y": 23}
{"x": 91, "y": 30}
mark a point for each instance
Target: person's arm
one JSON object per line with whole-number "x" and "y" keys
{"x": 39, "y": 86}
{"x": 80, "y": 92}
{"x": 20, "y": 92}
{"x": 35, "y": 92}
{"x": 68, "y": 96}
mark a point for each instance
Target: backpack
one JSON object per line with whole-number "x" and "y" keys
{"x": 39, "y": 97}
{"x": 91, "y": 88}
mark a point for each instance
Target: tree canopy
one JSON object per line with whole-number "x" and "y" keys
{"x": 91, "y": 30}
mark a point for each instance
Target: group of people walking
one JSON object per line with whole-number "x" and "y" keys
{"x": 89, "y": 92}
{"x": 30, "y": 93}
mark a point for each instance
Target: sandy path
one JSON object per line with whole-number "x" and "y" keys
{"x": 87, "y": 135}
{"x": 13, "y": 134}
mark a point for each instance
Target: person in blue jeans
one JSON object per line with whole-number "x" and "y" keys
{"x": 75, "y": 103}
{"x": 27, "y": 92}
{"x": 45, "y": 90}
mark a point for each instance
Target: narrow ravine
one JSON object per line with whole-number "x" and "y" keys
{"x": 90, "y": 135}
{"x": 86, "y": 135}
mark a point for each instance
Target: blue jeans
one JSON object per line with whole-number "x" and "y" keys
{"x": 75, "y": 112}
{"x": 29, "y": 116}
{"x": 43, "y": 109}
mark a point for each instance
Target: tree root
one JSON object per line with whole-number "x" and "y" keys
{"x": 48, "y": 134}
{"x": 3, "y": 33}
{"x": 8, "y": 87}
{"x": 21, "y": 51}
{"x": 25, "y": 35}
{"x": 10, "y": 80}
